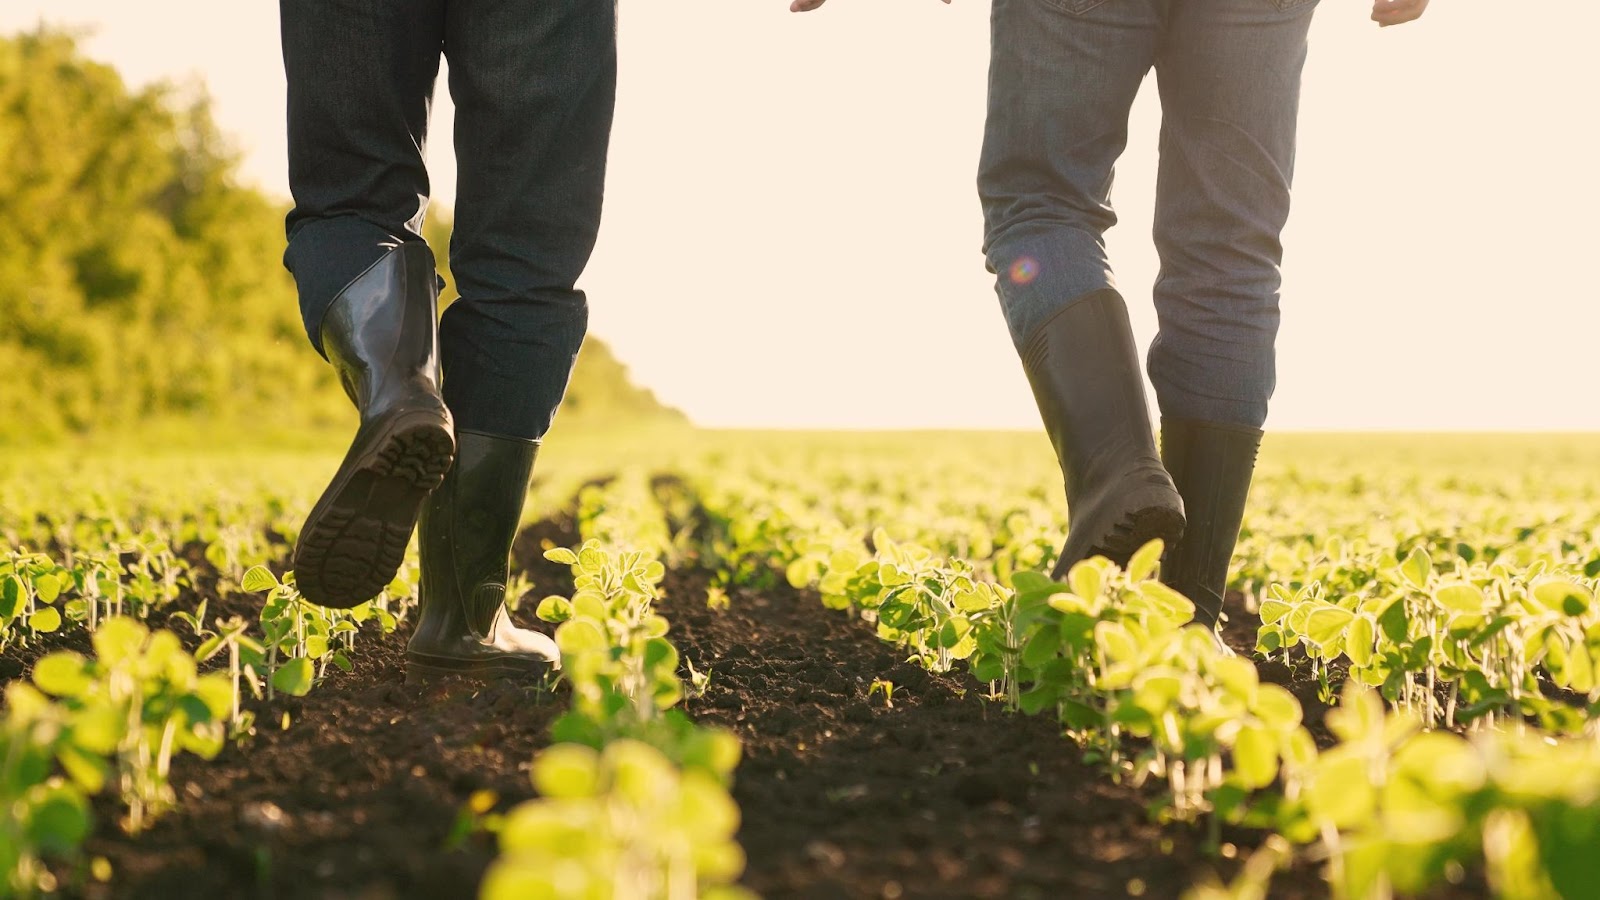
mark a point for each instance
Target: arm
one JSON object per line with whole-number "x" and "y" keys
{"x": 1384, "y": 12}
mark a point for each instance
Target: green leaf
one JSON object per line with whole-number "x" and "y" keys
{"x": 1276, "y": 707}
{"x": 57, "y": 817}
{"x": 12, "y": 598}
{"x": 1255, "y": 756}
{"x": 62, "y": 674}
{"x": 87, "y": 770}
{"x": 1341, "y": 794}
{"x": 1237, "y": 676}
{"x": 1393, "y": 621}
{"x": 1359, "y": 640}
{"x": 579, "y": 636}
{"x": 1460, "y": 597}
{"x": 47, "y": 588}
{"x": 316, "y": 646}
{"x": 1173, "y": 606}
{"x": 1041, "y": 647}
{"x": 1086, "y": 580}
{"x": 1273, "y": 611}
{"x": 258, "y": 579}
{"x": 1359, "y": 716}
{"x": 953, "y": 631}
{"x": 561, "y": 555}
{"x": 1026, "y": 581}
{"x": 1326, "y": 624}
{"x": 45, "y": 620}
{"x": 567, "y": 771}
{"x": 294, "y": 678}
{"x": 554, "y": 608}
{"x": 1563, "y": 597}
{"x": 1144, "y": 561}
{"x": 891, "y": 575}
{"x": 1417, "y": 567}
{"x": 99, "y": 728}
{"x": 591, "y": 561}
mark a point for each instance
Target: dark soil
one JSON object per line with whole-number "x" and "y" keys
{"x": 352, "y": 791}
{"x": 942, "y": 795}
{"x": 357, "y": 797}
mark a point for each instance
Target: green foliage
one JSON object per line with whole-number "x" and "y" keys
{"x": 86, "y": 724}
{"x": 634, "y": 800}
{"x": 140, "y": 281}
{"x": 621, "y": 823}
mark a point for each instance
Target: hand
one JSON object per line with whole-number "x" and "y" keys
{"x": 809, "y": 5}
{"x": 1384, "y": 12}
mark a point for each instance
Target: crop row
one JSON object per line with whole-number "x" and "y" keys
{"x": 1106, "y": 652}
{"x": 633, "y": 795}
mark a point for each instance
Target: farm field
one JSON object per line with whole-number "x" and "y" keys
{"x": 816, "y": 665}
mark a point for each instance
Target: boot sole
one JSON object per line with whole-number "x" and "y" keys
{"x": 355, "y": 538}
{"x": 1138, "y": 528}
{"x": 1149, "y": 514}
{"x": 427, "y": 669}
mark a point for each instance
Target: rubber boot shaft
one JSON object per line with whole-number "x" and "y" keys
{"x": 1212, "y": 464}
{"x": 1084, "y": 370}
{"x": 466, "y": 531}
{"x": 381, "y": 336}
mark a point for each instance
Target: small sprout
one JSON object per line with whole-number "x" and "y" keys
{"x": 887, "y": 687}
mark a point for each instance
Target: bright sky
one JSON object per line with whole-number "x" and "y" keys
{"x": 792, "y": 230}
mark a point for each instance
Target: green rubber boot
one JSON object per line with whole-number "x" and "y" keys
{"x": 466, "y": 533}
{"x": 1212, "y": 464}
{"x": 382, "y": 336}
{"x": 1084, "y": 370}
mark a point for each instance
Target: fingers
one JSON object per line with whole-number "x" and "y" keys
{"x": 1396, "y": 12}
{"x": 809, "y": 5}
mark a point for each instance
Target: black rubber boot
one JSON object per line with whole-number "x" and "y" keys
{"x": 467, "y": 529}
{"x": 1086, "y": 378}
{"x": 382, "y": 335}
{"x": 1212, "y": 464}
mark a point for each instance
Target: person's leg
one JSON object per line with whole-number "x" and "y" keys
{"x": 534, "y": 85}
{"x": 1063, "y": 76}
{"x": 360, "y": 81}
{"x": 1229, "y": 73}
{"x": 360, "y": 77}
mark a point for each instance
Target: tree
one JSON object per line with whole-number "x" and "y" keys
{"x": 140, "y": 282}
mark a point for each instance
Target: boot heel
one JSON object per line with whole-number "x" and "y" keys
{"x": 355, "y": 537}
{"x": 418, "y": 450}
{"x": 1138, "y": 528}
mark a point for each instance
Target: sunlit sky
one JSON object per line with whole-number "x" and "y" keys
{"x": 792, "y": 230}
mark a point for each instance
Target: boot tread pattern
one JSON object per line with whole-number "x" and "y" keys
{"x": 1138, "y": 528}
{"x": 351, "y": 550}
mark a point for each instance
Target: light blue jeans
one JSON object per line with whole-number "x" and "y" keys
{"x": 1062, "y": 78}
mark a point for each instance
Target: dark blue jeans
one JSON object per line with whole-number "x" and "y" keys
{"x": 534, "y": 83}
{"x": 1063, "y": 76}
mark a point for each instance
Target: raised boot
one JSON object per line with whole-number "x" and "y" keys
{"x": 1212, "y": 464}
{"x": 466, "y": 533}
{"x": 381, "y": 335}
{"x": 1085, "y": 374}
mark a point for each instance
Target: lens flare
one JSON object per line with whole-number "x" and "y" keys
{"x": 1024, "y": 270}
